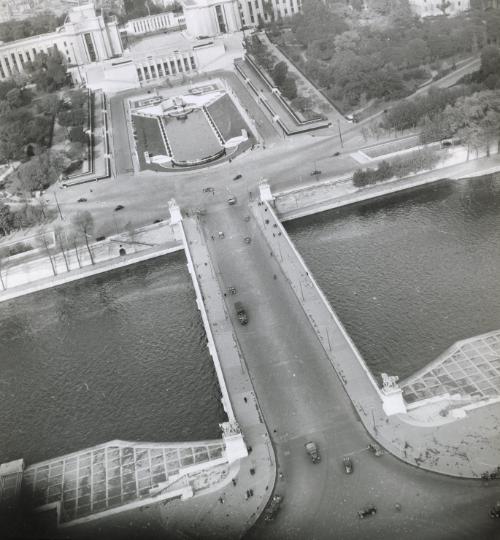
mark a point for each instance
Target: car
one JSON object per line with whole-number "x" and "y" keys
{"x": 232, "y": 200}
{"x": 273, "y": 508}
{"x": 375, "y": 449}
{"x": 100, "y": 238}
{"x": 313, "y": 451}
{"x": 336, "y": 154}
{"x": 495, "y": 511}
{"x": 119, "y": 207}
{"x": 316, "y": 172}
{"x": 241, "y": 313}
{"x": 238, "y": 176}
{"x": 208, "y": 190}
{"x": 367, "y": 511}
{"x": 82, "y": 199}
{"x": 347, "y": 465}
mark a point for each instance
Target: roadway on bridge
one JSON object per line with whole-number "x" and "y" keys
{"x": 302, "y": 399}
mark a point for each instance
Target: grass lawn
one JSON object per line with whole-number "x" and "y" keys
{"x": 227, "y": 118}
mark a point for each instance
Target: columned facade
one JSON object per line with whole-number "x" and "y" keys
{"x": 154, "y": 23}
{"x": 211, "y": 17}
{"x": 84, "y": 38}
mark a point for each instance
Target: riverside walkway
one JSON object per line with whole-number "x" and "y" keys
{"x": 339, "y": 191}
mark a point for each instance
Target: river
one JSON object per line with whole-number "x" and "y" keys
{"x": 410, "y": 273}
{"x": 121, "y": 355}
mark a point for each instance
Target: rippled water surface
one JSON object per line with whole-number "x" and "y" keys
{"x": 121, "y": 355}
{"x": 411, "y": 273}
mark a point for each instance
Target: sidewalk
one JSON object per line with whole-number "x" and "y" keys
{"x": 464, "y": 448}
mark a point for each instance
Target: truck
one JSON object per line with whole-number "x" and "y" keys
{"x": 241, "y": 313}
{"x": 313, "y": 452}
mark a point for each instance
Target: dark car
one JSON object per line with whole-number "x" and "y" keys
{"x": 495, "y": 512}
{"x": 273, "y": 508}
{"x": 347, "y": 465}
{"x": 238, "y": 176}
{"x": 82, "y": 199}
{"x": 119, "y": 207}
{"x": 367, "y": 512}
{"x": 313, "y": 451}
{"x": 316, "y": 172}
{"x": 241, "y": 313}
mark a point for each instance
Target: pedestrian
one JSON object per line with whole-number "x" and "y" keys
{"x": 245, "y": 399}
{"x": 213, "y": 237}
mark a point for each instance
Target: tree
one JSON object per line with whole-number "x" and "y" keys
{"x": 14, "y": 98}
{"x": 5, "y": 219}
{"x": 41, "y": 170}
{"x": 279, "y": 73}
{"x": 12, "y": 140}
{"x": 44, "y": 243}
{"x": 490, "y": 63}
{"x": 83, "y": 223}
{"x": 48, "y": 71}
{"x": 61, "y": 242}
{"x": 289, "y": 88}
{"x": 2, "y": 282}
{"x": 77, "y": 135}
{"x": 417, "y": 52}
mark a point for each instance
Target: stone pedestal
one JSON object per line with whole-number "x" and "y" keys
{"x": 393, "y": 402}
{"x": 175, "y": 212}
{"x": 233, "y": 440}
{"x": 392, "y": 396}
{"x": 265, "y": 191}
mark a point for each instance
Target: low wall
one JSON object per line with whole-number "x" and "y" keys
{"x": 226, "y": 402}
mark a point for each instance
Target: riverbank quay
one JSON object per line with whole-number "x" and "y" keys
{"x": 118, "y": 251}
{"x": 339, "y": 191}
{"x": 465, "y": 447}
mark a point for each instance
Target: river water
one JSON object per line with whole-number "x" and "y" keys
{"x": 118, "y": 356}
{"x": 411, "y": 273}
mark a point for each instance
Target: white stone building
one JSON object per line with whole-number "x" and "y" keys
{"x": 84, "y": 38}
{"x": 213, "y": 17}
{"x": 431, "y": 8}
{"x": 154, "y": 23}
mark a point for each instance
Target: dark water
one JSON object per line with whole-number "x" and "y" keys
{"x": 121, "y": 355}
{"x": 411, "y": 273}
